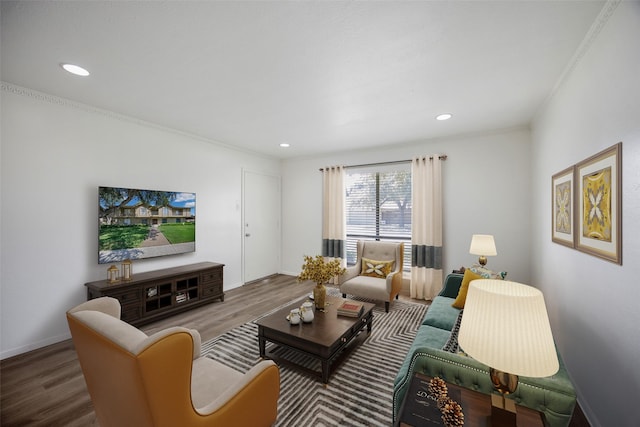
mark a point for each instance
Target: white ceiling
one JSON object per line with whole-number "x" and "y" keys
{"x": 323, "y": 76}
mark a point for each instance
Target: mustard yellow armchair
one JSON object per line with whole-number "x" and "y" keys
{"x": 162, "y": 380}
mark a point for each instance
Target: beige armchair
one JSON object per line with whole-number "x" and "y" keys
{"x": 162, "y": 380}
{"x": 377, "y": 273}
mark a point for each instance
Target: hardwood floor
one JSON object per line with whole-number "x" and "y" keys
{"x": 45, "y": 387}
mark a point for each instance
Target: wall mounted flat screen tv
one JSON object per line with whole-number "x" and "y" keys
{"x": 137, "y": 224}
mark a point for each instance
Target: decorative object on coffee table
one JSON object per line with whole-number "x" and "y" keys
{"x": 294, "y": 316}
{"x": 306, "y": 312}
{"x": 320, "y": 271}
{"x": 350, "y": 308}
{"x": 320, "y": 295}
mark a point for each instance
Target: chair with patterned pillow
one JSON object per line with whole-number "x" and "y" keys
{"x": 377, "y": 274}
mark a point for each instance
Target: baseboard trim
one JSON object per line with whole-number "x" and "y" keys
{"x": 34, "y": 346}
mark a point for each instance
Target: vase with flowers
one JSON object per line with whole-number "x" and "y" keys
{"x": 320, "y": 271}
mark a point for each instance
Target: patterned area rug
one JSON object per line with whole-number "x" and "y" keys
{"x": 360, "y": 388}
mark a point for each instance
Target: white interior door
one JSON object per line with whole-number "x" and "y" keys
{"x": 261, "y": 222}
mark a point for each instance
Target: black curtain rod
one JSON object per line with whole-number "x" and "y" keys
{"x": 397, "y": 162}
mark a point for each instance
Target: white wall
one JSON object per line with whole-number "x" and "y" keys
{"x": 55, "y": 154}
{"x": 593, "y": 304}
{"x": 486, "y": 181}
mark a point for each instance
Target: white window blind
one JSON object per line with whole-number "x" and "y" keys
{"x": 378, "y": 205}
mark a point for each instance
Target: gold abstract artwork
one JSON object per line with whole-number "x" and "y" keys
{"x": 596, "y": 197}
{"x": 563, "y": 207}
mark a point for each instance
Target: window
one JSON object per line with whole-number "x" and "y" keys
{"x": 378, "y": 206}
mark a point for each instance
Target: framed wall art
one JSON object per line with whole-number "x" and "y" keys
{"x": 598, "y": 195}
{"x": 562, "y": 207}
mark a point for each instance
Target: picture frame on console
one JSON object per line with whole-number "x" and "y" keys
{"x": 598, "y": 201}
{"x": 562, "y": 207}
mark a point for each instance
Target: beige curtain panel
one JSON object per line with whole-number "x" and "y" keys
{"x": 426, "y": 227}
{"x": 334, "y": 221}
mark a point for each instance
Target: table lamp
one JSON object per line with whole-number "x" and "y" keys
{"x": 505, "y": 326}
{"x": 483, "y": 245}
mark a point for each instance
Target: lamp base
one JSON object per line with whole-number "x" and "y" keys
{"x": 503, "y": 412}
{"x": 501, "y": 418}
{"x": 482, "y": 260}
{"x": 504, "y": 382}
{"x": 500, "y": 402}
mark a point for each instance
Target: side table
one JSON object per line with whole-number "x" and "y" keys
{"x": 416, "y": 410}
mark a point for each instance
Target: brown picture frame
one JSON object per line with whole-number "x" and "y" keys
{"x": 562, "y": 207}
{"x": 598, "y": 205}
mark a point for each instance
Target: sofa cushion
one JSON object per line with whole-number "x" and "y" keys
{"x": 451, "y": 285}
{"x": 441, "y": 315}
{"x": 464, "y": 288}
{"x": 209, "y": 379}
{"x": 379, "y": 269}
{"x": 485, "y": 273}
{"x": 366, "y": 287}
{"x": 429, "y": 336}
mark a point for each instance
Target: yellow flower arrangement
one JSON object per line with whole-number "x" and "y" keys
{"x": 319, "y": 270}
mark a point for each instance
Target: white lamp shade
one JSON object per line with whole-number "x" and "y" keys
{"x": 483, "y": 244}
{"x": 505, "y": 326}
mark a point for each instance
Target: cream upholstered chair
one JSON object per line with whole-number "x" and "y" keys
{"x": 377, "y": 273}
{"x": 162, "y": 380}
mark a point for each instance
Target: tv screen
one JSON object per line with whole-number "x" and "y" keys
{"x": 137, "y": 224}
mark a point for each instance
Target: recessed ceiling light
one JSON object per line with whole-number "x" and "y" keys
{"x": 445, "y": 116}
{"x": 285, "y": 145}
{"x": 75, "y": 69}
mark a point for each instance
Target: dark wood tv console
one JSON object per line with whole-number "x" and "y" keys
{"x": 157, "y": 294}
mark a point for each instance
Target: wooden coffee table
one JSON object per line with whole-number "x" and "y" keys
{"x": 324, "y": 339}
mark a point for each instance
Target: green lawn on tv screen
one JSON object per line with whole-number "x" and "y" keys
{"x": 179, "y": 233}
{"x": 114, "y": 237}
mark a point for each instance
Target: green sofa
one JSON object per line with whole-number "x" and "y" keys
{"x": 553, "y": 396}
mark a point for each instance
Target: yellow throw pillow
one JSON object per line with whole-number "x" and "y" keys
{"x": 464, "y": 288}
{"x": 378, "y": 269}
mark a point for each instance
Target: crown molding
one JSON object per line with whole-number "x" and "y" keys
{"x": 605, "y": 13}
{"x": 67, "y": 103}
{"x": 52, "y": 99}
